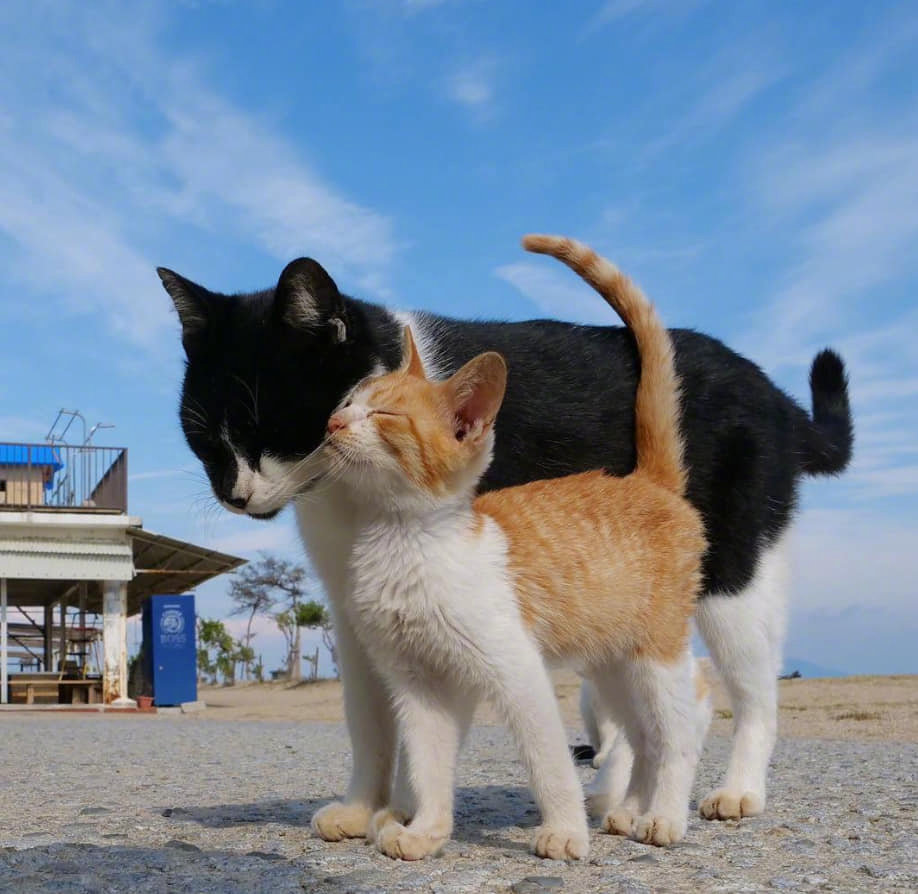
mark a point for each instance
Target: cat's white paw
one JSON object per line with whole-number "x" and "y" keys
{"x": 658, "y": 830}
{"x": 559, "y": 843}
{"x": 403, "y": 843}
{"x": 337, "y": 821}
{"x": 724, "y": 804}
{"x": 619, "y": 821}
{"x": 383, "y": 818}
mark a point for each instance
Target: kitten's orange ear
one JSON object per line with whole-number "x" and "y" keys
{"x": 475, "y": 394}
{"x": 411, "y": 358}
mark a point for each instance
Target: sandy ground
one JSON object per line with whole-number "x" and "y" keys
{"x": 853, "y": 708}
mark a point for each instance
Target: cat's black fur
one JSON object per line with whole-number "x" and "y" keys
{"x": 569, "y": 405}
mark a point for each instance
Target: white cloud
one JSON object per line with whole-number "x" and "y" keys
{"x": 613, "y": 11}
{"x": 557, "y": 293}
{"x": 412, "y": 6}
{"x": 853, "y": 591}
{"x": 157, "y": 474}
{"x": 473, "y": 85}
{"x": 112, "y": 140}
{"x": 254, "y": 537}
{"x": 22, "y": 428}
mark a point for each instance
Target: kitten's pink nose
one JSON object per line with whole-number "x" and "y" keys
{"x": 336, "y": 423}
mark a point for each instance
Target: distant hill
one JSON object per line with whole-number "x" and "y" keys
{"x": 808, "y": 669}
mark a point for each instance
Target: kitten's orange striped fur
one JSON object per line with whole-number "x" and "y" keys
{"x": 603, "y": 565}
{"x": 601, "y": 571}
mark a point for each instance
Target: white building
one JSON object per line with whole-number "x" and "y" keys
{"x": 67, "y": 544}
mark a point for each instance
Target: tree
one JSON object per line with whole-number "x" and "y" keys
{"x": 216, "y": 651}
{"x": 275, "y": 583}
{"x": 328, "y": 640}
{"x": 252, "y": 591}
{"x": 291, "y": 622}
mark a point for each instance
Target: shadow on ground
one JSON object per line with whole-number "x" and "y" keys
{"x": 176, "y": 867}
{"x": 485, "y": 806}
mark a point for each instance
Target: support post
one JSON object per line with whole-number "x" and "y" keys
{"x": 4, "y": 653}
{"x": 49, "y": 638}
{"x": 114, "y": 644}
{"x": 62, "y": 640}
{"x": 84, "y": 645}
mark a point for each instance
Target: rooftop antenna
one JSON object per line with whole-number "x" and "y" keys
{"x": 95, "y": 428}
{"x": 54, "y": 438}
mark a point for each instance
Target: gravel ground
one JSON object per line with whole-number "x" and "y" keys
{"x": 135, "y": 803}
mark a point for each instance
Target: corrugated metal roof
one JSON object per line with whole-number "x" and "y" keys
{"x": 34, "y": 454}
{"x": 163, "y": 565}
{"x": 65, "y": 560}
{"x": 39, "y": 569}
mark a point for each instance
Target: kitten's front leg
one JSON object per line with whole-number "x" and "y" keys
{"x": 431, "y": 726}
{"x": 524, "y": 692}
{"x": 371, "y": 726}
{"x": 401, "y": 806}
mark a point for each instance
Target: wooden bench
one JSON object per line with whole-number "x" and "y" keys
{"x": 44, "y": 685}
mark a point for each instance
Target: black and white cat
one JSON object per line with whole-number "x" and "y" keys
{"x": 266, "y": 370}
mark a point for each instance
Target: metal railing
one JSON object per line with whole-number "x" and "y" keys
{"x": 63, "y": 477}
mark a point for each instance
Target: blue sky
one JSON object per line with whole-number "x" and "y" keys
{"x": 754, "y": 166}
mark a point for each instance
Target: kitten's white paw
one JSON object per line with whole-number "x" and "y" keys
{"x": 619, "y": 821}
{"x": 403, "y": 843}
{"x": 724, "y": 804}
{"x": 383, "y": 818}
{"x": 658, "y": 830}
{"x": 337, "y": 821}
{"x": 559, "y": 843}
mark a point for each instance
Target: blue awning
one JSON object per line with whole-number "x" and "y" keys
{"x": 30, "y": 454}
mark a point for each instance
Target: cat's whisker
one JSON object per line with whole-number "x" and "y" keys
{"x": 253, "y": 411}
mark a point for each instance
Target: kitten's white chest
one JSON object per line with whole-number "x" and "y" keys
{"x": 421, "y": 590}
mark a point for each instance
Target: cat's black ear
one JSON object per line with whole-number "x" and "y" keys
{"x": 190, "y": 302}
{"x": 306, "y": 297}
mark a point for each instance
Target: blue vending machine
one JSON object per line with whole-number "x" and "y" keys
{"x": 170, "y": 649}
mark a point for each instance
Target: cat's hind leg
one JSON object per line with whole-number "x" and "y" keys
{"x": 662, "y": 724}
{"x": 744, "y": 634}
{"x": 621, "y": 790}
{"x": 605, "y": 735}
{"x": 665, "y": 694}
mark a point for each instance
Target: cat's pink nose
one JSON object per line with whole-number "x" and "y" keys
{"x": 336, "y": 423}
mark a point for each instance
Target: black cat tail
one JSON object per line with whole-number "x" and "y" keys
{"x": 828, "y": 439}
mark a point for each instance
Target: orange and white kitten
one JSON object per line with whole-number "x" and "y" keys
{"x": 458, "y": 598}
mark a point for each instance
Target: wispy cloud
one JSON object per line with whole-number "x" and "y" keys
{"x": 839, "y": 189}
{"x": 159, "y": 474}
{"x": 252, "y": 538}
{"x": 556, "y": 294}
{"x": 613, "y": 11}
{"x": 22, "y": 428}
{"x": 852, "y": 590}
{"x": 414, "y": 6}
{"x": 183, "y": 156}
{"x": 473, "y": 85}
